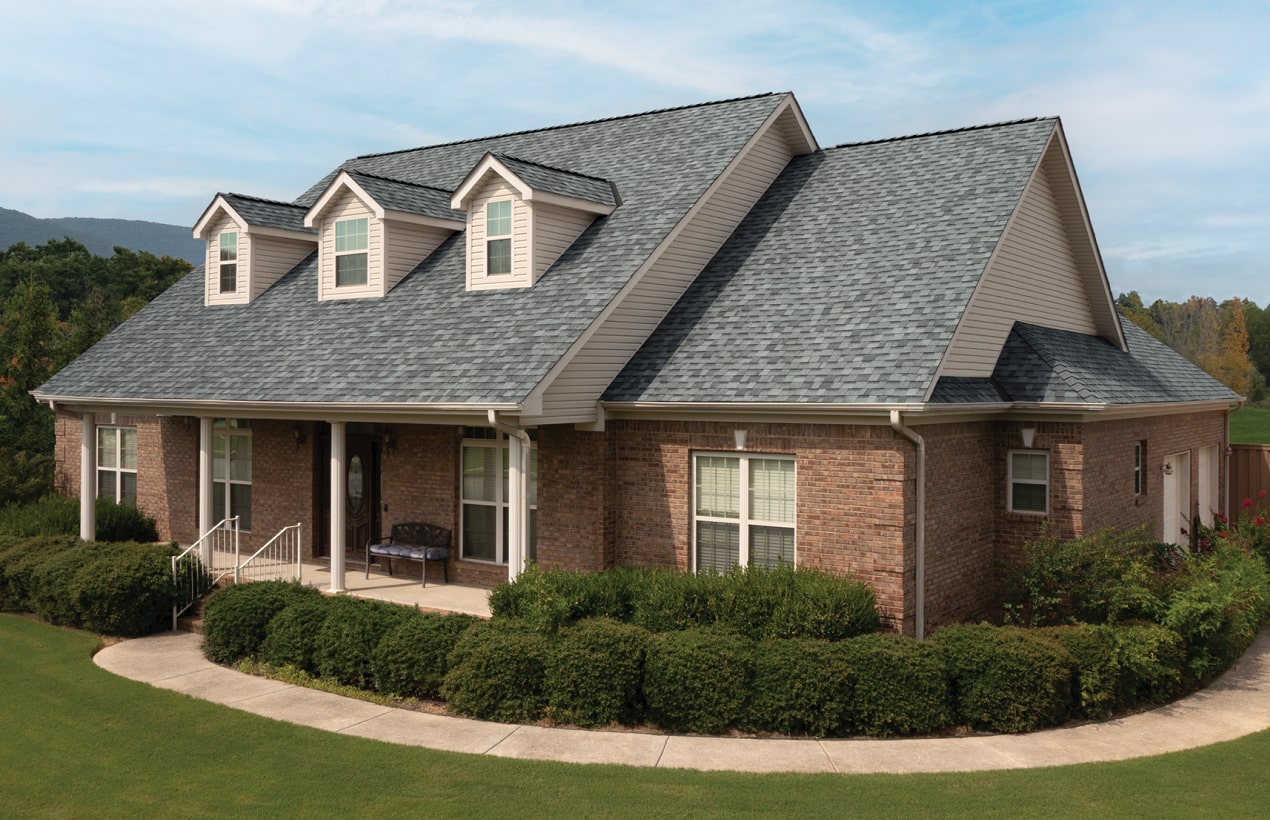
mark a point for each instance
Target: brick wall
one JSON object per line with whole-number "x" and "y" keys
{"x": 419, "y": 482}
{"x": 573, "y": 527}
{"x": 1063, "y": 442}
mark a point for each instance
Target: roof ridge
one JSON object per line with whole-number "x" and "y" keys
{"x": 383, "y": 178}
{"x": 259, "y": 199}
{"x": 943, "y": 132}
{"x": 573, "y": 124}
{"x": 548, "y": 167}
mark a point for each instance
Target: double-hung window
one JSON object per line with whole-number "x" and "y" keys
{"x": 485, "y": 490}
{"x": 117, "y": 464}
{"x": 351, "y": 260}
{"x": 1139, "y": 468}
{"x": 231, "y": 470}
{"x": 228, "y": 261}
{"x": 1029, "y": 481}
{"x": 743, "y": 511}
{"x": 498, "y": 242}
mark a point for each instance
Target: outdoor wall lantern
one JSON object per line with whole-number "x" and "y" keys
{"x": 1028, "y": 434}
{"x": 739, "y": 435}
{"x": 298, "y": 432}
{"x": 1168, "y": 468}
{"x": 390, "y": 441}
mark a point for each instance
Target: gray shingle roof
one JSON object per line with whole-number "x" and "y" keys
{"x": 845, "y": 283}
{"x": 408, "y": 198}
{"x": 559, "y": 181}
{"x": 267, "y": 213}
{"x": 429, "y": 340}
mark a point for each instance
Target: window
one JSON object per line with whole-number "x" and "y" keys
{"x": 351, "y": 241}
{"x": 231, "y": 470}
{"x": 1139, "y": 468}
{"x": 743, "y": 511}
{"x": 117, "y": 464}
{"x": 229, "y": 262}
{"x": 1029, "y": 481}
{"x": 484, "y": 526}
{"x": 498, "y": 252}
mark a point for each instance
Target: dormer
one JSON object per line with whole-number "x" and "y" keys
{"x": 373, "y": 231}
{"x": 521, "y": 216}
{"x": 251, "y": 243}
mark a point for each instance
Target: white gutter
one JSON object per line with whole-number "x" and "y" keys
{"x": 518, "y": 487}
{"x": 920, "y": 537}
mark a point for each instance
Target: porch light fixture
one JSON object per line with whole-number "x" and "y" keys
{"x": 390, "y": 441}
{"x": 1168, "y": 468}
{"x": 1028, "y": 434}
{"x": 739, "y": 435}
{"x": 300, "y": 437}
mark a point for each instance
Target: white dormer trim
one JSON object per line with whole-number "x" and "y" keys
{"x": 264, "y": 254}
{"x": 490, "y": 164}
{"x": 219, "y": 205}
{"x": 344, "y": 182}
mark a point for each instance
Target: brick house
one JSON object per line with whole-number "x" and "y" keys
{"x": 688, "y": 338}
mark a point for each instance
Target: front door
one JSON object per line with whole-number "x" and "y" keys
{"x": 359, "y": 491}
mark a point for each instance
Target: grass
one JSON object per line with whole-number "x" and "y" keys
{"x": 76, "y": 741}
{"x": 1250, "y": 425}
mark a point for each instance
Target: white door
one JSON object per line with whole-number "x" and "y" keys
{"x": 1177, "y": 498}
{"x": 1208, "y": 480}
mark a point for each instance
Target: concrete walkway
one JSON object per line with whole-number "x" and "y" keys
{"x": 1237, "y": 704}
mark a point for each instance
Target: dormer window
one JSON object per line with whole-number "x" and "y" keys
{"x": 229, "y": 262}
{"x": 498, "y": 251}
{"x": 351, "y": 261}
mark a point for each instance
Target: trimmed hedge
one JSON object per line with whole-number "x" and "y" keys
{"x": 901, "y": 687}
{"x": 352, "y": 630}
{"x": 698, "y": 680}
{"x": 236, "y": 618}
{"x": 594, "y": 675}
{"x": 800, "y": 687}
{"x": 291, "y": 636}
{"x": 497, "y": 672}
{"x": 58, "y": 515}
{"x": 1151, "y": 660}
{"x": 412, "y": 659}
{"x": 1098, "y": 673}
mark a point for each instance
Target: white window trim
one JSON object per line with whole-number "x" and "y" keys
{"x": 222, "y": 262}
{"x": 501, "y": 446}
{"x": 118, "y": 469}
{"x": 1139, "y": 467}
{"x": 228, "y": 432}
{"x": 1011, "y": 481}
{"x": 503, "y": 236}
{"x": 743, "y": 519}
{"x": 364, "y": 250}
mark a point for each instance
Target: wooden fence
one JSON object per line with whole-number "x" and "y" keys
{"x": 1249, "y": 474}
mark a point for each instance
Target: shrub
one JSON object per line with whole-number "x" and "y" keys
{"x": 1151, "y": 658}
{"x": 697, "y": 680}
{"x": 900, "y": 687}
{"x": 669, "y": 600}
{"x": 411, "y": 659}
{"x": 497, "y": 671}
{"x": 815, "y": 604}
{"x": 291, "y": 637}
{"x": 349, "y": 635}
{"x": 594, "y": 674}
{"x": 1006, "y": 679}
{"x": 126, "y": 589}
{"x": 235, "y": 619}
{"x": 800, "y": 687}
{"x": 123, "y": 522}
{"x": 58, "y": 515}
{"x": 49, "y": 588}
{"x": 1097, "y": 668}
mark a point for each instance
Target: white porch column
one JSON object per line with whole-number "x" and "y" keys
{"x": 339, "y": 452}
{"x": 517, "y": 505}
{"x": 205, "y": 488}
{"x": 87, "y": 477}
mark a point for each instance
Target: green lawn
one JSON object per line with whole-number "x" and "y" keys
{"x": 76, "y": 741}
{"x": 1250, "y": 425}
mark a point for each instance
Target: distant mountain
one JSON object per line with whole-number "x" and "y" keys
{"x": 101, "y": 236}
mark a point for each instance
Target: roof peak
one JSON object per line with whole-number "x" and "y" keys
{"x": 382, "y": 178}
{"x": 555, "y": 168}
{"x": 574, "y": 124}
{"x": 258, "y": 199}
{"x": 945, "y": 131}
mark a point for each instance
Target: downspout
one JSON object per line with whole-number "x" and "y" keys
{"x": 920, "y": 536}
{"x": 518, "y": 517}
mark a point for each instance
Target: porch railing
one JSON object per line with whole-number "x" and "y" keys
{"x": 277, "y": 560}
{"x": 191, "y": 577}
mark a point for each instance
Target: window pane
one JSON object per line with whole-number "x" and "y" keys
{"x": 228, "y": 278}
{"x": 218, "y": 457}
{"x": 479, "y": 532}
{"x": 500, "y": 256}
{"x": 771, "y": 489}
{"x": 106, "y": 484}
{"x": 1029, "y": 497}
{"x": 240, "y": 504}
{"x": 718, "y": 546}
{"x": 218, "y": 501}
{"x": 718, "y": 486}
{"x": 771, "y": 547}
{"x": 1033, "y": 466}
{"x": 128, "y": 488}
{"x": 498, "y": 218}
{"x": 240, "y": 458}
{"x": 533, "y": 478}
{"x": 478, "y": 474}
{"x": 351, "y": 235}
{"x": 229, "y": 247}
{"x": 351, "y": 270}
{"x": 128, "y": 448}
{"x": 106, "y": 447}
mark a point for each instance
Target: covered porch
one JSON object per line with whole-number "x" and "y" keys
{"x": 400, "y": 588}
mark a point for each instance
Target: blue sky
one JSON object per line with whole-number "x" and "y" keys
{"x": 143, "y": 109}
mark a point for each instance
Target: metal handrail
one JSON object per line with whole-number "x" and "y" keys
{"x": 198, "y": 579}
{"x": 280, "y": 548}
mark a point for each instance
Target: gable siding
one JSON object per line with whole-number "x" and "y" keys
{"x": 496, "y": 188}
{"x": 211, "y": 279}
{"x": 1033, "y": 278}
{"x": 408, "y": 245}
{"x": 272, "y": 257}
{"x": 555, "y": 229}
{"x": 347, "y": 206}
{"x": 573, "y": 394}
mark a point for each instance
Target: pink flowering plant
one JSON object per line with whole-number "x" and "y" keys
{"x": 1250, "y": 530}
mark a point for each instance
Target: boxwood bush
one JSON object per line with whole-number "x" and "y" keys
{"x": 497, "y": 672}
{"x": 698, "y": 680}
{"x": 235, "y": 618}
{"x": 58, "y": 515}
{"x": 291, "y": 637}
{"x": 1098, "y": 673}
{"x": 352, "y": 630}
{"x": 900, "y": 687}
{"x": 594, "y": 674}
{"x": 800, "y": 687}
{"x": 1151, "y": 658}
{"x": 413, "y": 657}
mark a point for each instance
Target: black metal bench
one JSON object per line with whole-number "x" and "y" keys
{"x": 413, "y": 541}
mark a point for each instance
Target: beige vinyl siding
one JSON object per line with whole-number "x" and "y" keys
{"x": 408, "y": 245}
{"x": 211, "y": 268}
{"x": 497, "y": 188}
{"x": 271, "y": 258}
{"x": 1033, "y": 278}
{"x": 572, "y": 395}
{"x": 348, "y": 206}
{"x": 555, "y": 229}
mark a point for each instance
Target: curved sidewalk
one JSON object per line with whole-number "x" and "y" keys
{"x": 1237, "y": 704}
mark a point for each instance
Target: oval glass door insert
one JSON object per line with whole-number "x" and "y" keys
{"x": 356, "y": 486}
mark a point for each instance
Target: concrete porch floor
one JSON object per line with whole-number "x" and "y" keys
{"x": 401, "y": 589}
